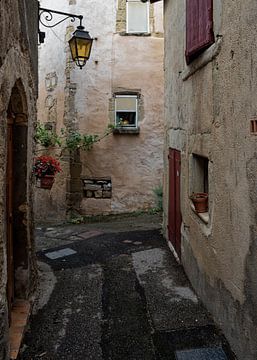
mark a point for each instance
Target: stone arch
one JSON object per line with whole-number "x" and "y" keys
{"x": 17, "y": 233}
{"x": 18, "y": 99}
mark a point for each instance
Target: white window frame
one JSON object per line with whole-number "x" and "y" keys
{"x": 148, "y": 19}
{"x": 115, "y": 120}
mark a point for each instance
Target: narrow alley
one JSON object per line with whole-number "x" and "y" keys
{"x": 113, "y": 290}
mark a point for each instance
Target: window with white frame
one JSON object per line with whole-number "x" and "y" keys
{"x": 126, "y": 111}
{"x": 137, "y": 16}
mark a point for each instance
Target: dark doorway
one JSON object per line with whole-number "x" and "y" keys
{"x": 16, "y": 198}
{"x": 9, "y": 211}
{"x": 174, "y": 212}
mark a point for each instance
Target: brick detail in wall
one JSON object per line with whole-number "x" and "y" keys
{"x": 98, "y": 188}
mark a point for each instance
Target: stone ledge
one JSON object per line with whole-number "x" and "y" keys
{"x": 202, "y": 60}
{"x": 124, "y": 33}
{"x": 126, "y": 131}
{"x": 203, "y": 216}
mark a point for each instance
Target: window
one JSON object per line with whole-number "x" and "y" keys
{"x": 199, "y": 27}
{"x": 137, "y": 16}
{"x": 126, "y": 111}
{"x": 199, "y": 186}
{"x": 200, "y": 174}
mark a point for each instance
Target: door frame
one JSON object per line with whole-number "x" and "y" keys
{"x": 17, "y": 231}
{"x": 174, "y": 205}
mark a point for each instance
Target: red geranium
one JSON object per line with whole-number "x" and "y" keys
{"x": 46, "y": 165}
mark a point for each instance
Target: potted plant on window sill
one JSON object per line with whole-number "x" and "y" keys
{"x": 45, "y": 168}
{"x": 200, "y": 201}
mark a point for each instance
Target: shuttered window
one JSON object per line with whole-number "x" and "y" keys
{"x": 199, "y": 27}
{"x": 137, "y": 16}
{"x": 126, "y": 110}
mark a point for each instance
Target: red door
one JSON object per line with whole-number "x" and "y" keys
{"x": 174, "y": 215}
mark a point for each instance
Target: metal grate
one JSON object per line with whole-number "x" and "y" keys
{"x": 215, "y": 353}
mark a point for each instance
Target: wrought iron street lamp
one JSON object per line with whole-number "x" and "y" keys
{"x": 80, "y": 43}
{"x": 80, "y": 46}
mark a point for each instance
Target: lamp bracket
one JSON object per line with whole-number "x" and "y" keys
{"x": 46, "y": 18}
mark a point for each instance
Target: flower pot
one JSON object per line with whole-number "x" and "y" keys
{"x": 200, "y": 201}
{"x": 46, "y": 182}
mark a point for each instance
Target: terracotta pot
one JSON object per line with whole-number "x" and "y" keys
{"x": 200, "y": 201}
{"x": 46, "y": 182}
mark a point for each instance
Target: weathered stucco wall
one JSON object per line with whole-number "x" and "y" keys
{"x": 133, "y": 162}
{"x": 208, "y": 109}
{"x": 18, "y": 91}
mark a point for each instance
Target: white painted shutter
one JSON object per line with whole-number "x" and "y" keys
{"x": 137, "y": 17}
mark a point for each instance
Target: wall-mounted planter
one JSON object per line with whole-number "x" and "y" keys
{"x": 200, "y": 201}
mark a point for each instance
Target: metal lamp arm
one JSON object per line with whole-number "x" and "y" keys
{"x": 48, "y": 17}
{"x": 45, "y": 16}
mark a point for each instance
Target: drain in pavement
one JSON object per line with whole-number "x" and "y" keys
{"x": 201, "y": 354}
{"x": 60, "y": 253}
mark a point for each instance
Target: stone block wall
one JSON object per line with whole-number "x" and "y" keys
{"x": 18, "y": 95}
{"x": 97, "y": 188}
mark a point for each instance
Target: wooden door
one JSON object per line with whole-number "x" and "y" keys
{"x": 174, "y": 213}
{"x": 9, "y": 211}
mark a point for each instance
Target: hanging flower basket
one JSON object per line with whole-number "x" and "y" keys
{"x": 46, "y": 182}
{"x": 45, "y": 168}
{"x": 200, "y": 201}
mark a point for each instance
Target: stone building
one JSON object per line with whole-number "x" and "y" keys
{"x": 18, "y": 93}
{"x": 122, "y": 85}
{"x": 210, "y": 147}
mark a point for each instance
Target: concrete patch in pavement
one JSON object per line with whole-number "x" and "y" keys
{"x": 70, "y": 326}
{"x": 171, "y": 302}
{"x": 60, "y": 253}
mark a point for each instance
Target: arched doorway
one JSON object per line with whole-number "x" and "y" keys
{"x": 16, "y": 197}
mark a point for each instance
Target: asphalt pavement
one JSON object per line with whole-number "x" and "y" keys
{"x": 113, "y": 291}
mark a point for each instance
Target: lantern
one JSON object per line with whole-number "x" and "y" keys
{"x": 80, "y": 46}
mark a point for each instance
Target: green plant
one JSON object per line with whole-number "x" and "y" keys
{"x": 75, "y": 140}
{"x": 70, "y": 139}
{"x": 158, "y": 191}
{"x": 46, "y": 137}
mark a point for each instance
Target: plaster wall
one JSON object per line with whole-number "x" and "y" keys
{"x": 118, "y": 62}
{"x": 208, "y": 107}
{"x": 18, "y": 59}
{"x": 54, "y": 80}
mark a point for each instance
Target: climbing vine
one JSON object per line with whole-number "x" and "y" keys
{"x": 69, "y": 139}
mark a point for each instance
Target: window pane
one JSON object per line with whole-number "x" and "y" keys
{"x": 125, "y": 118}
{"x": 137, "y": 17}
{"x": 126, "y": 103}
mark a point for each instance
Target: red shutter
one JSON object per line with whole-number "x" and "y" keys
{"x": 199, "y": 27}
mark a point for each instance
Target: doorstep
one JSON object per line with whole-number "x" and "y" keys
{"x": 19, "y": 318}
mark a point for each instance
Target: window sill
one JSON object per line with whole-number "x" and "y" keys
{"x": 207, "y": 56}
{"x": 203, "y": 216}
{"x": 124, "y": 130}
{"x": 124, "y": 33}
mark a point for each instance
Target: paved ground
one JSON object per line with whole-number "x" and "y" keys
{"x": 113, "y": 291}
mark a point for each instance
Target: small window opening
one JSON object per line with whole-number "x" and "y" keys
{"x": 253, "y": 127}
{"x": 200, "y": 174}
{"x": 200, "y": 185}
{"x": 126, "y": 111}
